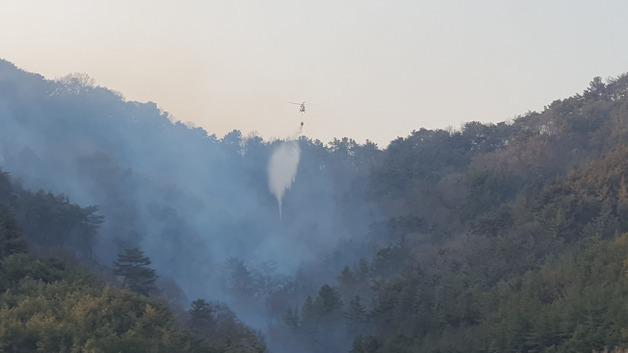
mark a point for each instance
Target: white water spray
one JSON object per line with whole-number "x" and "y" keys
{"x": 282, "y": 169}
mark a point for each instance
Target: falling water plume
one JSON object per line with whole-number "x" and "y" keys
{"x": 282, "y": 169}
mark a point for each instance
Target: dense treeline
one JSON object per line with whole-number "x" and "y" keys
{"x": 508, "y": 237}
{"x": 52, "y": 305}
{"x": 197, "y": 205}
{"x": 500, "y": 238}
{"x": 172, "y": 189}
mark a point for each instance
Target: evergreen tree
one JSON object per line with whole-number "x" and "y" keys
{"x": 356, "y": 315}
{"x": 133, "y": 266}
{"x": 201, "y": 311}
{"x": 328, "y": 300}
{"x": 241, "y": 282}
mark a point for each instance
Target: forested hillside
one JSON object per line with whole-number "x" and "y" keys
{"x": 498, "y": 238}
{"x": 53, "y": 305}
{"x": 508, "y": 237}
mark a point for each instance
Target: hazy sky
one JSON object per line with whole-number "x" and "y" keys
{"x": 368, "y": 69}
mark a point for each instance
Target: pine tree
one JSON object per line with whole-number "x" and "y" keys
{"x": 328, "y": 300}
{"x": 201, "y": 311}
{"x": 356, "y": 315}
{"x": 133, "y": 266}
{"x": 202, "y": 318}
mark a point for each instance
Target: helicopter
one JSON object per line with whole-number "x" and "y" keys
{"x": 301, "y": 109}
{"x": 301, "y": 106}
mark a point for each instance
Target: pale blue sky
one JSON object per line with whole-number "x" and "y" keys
{"x": 369, "y": 69}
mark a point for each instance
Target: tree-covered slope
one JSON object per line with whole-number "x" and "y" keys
{"x": 500, "y": 238}
{"x": 507, "y": 237}
{"x": 51, "y": 305}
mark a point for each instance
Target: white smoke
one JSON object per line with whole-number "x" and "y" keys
{"x": 282, "y": 169}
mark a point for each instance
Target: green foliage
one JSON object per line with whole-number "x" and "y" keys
{"x": 498, "y": 238}
{"x": 51, "y": 224}
{"x": 11, "y": 241}
{"x": 328, "y": 300}
{"x": 356, "y": 315}
{"x": 46, "y": 307}
{"x": 19, "y": 266}
{"x": 216, "y": 327}
{"x": 577, "y": 303}
{"x": 201, "y": 312}
{"x": 133, "y": 267}
{"x": 74, "y": 316}
{"x": 508, "y": 237}
{"x": 51, "y": 306}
